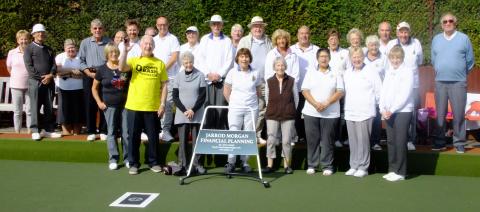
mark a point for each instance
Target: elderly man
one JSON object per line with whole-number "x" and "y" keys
{"x": 215, "y": 60}
{"x": 413, "y": 58}
{"x": 166, "y": 49}
{"x": 384, "y": 30}
{"x": 144, "y": 108}
{"x": 91, "y": 56}
{"x": 307, "y": 59}
{"x": 452, "y": 59}
{"x": 236, "y": 33}
{"x": 259, "y": 45}
{"x": 40, "y": 63}
{"x": 192, "y": 42}
{"x": 150, "y": 31}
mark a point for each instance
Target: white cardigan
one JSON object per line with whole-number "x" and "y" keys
{"x": 397, "y": 90}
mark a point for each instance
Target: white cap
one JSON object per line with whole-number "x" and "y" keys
{"x": 403, "y": 25}
{"x": 38, "y": 28}
{"x": 256, "y": 20}
{"x": 191, "y": 29}
{"x": 216, "y": 18}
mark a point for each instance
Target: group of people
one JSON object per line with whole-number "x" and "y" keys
{"x": 300, "y": 91}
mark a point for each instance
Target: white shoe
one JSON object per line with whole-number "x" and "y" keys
{"x": 261, "y": 141}
{"x": 338, "y": 144}
{"x": 143, "y": 137}
{"x": 360, "y": 173}
{"x": 388, "y": 175}
{"x": 350, "y": 172}
{"x": 292, "y": 143}
{"x": 103, "y": 137}
{"x": 327, "y": 172}
{"x": 112, "y": 166}
{"x": 395, "y": 177}
{"x": 377, "y": 147}
{"x": 127, "y": 164}
{"x": 410, "y": 146}
{"x": 166, "y": 136}
{"x": 91, "y": 137}
{"x": 51, "y": 135}
{"x": 310, "y": 171}
{"x": 36, "y": 136}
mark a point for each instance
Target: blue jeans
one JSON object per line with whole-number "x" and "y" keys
{"x": 116, "y": 118}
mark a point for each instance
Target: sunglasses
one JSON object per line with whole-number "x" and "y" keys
{"x": 448, "y": 21}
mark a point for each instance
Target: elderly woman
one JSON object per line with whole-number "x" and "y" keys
{"x": 362, "y": 91}
{"x": 19, "y": 81}
{"x": 338, "y": 63}
{"x": 396, "y": 106}
{"x": 322, "y": 89}
{"x": 281, "y": 42}
{"x": 377, "y": 60}
{"x": 242, "y": 90}
{"x": 70, "y": 99}
{"x": 189, "y": 93}
{"x": 119, "y": 37}
{"x": 114, "y": 88}
{"x": 355, "y": 38}
{"x": 282, "y": 100}
{"x": 236, "y": 34}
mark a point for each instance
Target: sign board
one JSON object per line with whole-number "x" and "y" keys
{"x": 222, "y": 142}
{"x": 134, "y": 200}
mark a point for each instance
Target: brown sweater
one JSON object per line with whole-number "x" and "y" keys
{"x": 281, "y": 106}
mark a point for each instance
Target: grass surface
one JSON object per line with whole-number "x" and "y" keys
{"x": 60, "y": 186}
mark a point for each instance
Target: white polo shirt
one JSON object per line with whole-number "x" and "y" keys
{"x": 379, "y": 64}
{"x": 397, "y": 90}
{"x": 164, "y": 48}
{"x": 187, "y": 48}
{"x": 338, "y": 60}
{"x": 68, "y": 63}
{"x": 306, "y": 59}
{"x": 293, "y": 66}
{"x": 135, "y": 51}
{"x": 216, "y": 54}
{"x": 322, "y": 86}
{"x": 244, "y": 88}
{"x": 413, "y": 55}
{"x": 362, "y": 92}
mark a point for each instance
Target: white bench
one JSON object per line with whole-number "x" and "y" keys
{"x": 6, "y": 96}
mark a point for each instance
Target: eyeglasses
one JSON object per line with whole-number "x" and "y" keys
{"x": 448, "y": 21}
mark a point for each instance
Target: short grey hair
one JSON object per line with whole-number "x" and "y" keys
{"x": 69, "y": 42}
{"x": 449, "y": 14}
{"x": 188, "y": 56}
{"x": 237, "y": 26}
{"x": 96, "y": 22}
{"x": 354, "y": 31}
{"x": 279, "y": 59}
{"x": 372, "y": 39}
{"x": 147, "y": 37}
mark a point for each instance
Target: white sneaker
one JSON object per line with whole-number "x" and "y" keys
{"x": 103, "y": 137}
{"x": 261, "y": 141}
{"x": 388, "y": 175}
{"x": 292, "y": 143}
{"x": 144, "y": 137}
{"x": 327, "y": 172}
{"x": 338, "y": 144}
{"x": 113, "y": 166}
{"x": 127, "y": 164}
{"x": 350, "y": 172}
{"x": 395, "y": 177}
{"x": 91, "y": 137}
{"x": 376, "y": 147}
{"x": 52, "y": 135}
{"x": 410, "y": 146}
{"x": 360, "y": 173}
{"x": 166, "y": 136}
{"x": 310, "y": 171}
{"x": 36, "y": 136}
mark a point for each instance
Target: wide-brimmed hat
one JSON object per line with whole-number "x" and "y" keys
{"x": 38, "y": 28}
{"x": 403, "y": 24}
{"x": 216, "y": 19}
{"x": 191, "y": 29}
{"x": 256, "y": 20}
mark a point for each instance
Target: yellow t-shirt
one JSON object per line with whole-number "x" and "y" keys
{"x": 145, "y": 89}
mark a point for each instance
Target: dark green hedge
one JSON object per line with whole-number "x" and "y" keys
{"x": 70, "y": 19}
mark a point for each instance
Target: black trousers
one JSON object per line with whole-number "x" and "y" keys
{"x": 137, "y": 121}
{"x": 91, "y": 109}
{"x": 397, "y": 135}
{"x": 183, "y": 154}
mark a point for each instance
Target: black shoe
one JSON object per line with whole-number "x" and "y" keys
{"x": 267, "y": 170}
{"x": 288, "y": 170}
{"x": 246, "y": 169}
{"x": 229, "y": 168}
